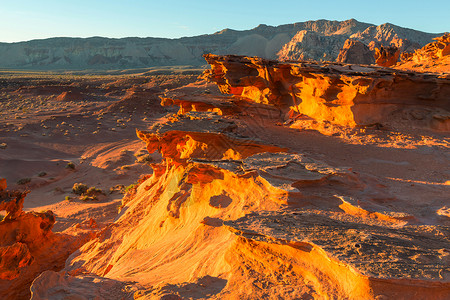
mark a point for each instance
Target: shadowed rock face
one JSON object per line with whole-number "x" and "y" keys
{"x": 348, "y": 95}
{"x": 355, "y": 52}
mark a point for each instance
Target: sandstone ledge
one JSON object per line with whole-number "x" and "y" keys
{"x": 341, "y": 94}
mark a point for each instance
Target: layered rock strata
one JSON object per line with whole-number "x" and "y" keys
{"x": 236, "y": 207}
{"x": 317, "y": 40}
{"x": 348, "y": 95}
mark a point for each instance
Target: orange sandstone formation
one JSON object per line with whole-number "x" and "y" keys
{"x": 236, "y": 210}
{"x": 28, "y": 246}
{"x": 434, "y": 57}
{"x": 227, "y": 216}
{"x": 386, "y": 56}
{"x": 348, "y": 95}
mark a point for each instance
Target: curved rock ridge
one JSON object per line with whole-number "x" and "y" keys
{"x": 230, "y": 216}
{"x": 348, "y": 95}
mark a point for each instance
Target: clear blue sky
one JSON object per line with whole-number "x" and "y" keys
{"x": 34, "y": 19}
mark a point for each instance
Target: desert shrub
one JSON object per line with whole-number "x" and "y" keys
{"x": 24, "y": 181}
{"x": 79, "y": 188}
{"x": 131, "y": 187}
{"x": 70, "y": 165}
{"x": 93, "y": 191}
{"x": 42, "y": 174}
{"x": 86, "y": 198}
{"x": 117, "y": 188}
{"x": 146, "y": 158}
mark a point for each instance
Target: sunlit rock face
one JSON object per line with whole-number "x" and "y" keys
{"x": 27, "y": 245}
{"x": 241, "y": 206}
{"x": 386, "y": 56}
{"x": 311, "y": 40}
{"x": 233, "y": 217}
{"x": 348, "y": 95}
{"x": 433, "y": 57}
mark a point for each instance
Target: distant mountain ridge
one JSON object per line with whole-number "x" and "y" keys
{"x": 316, "y": 40}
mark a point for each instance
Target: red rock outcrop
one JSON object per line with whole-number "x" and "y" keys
{"x": 243, "y": 207}
{"x": 434, "y": 57}
{"x": 355, "y": 52}
{"x": 71, "y": 96}
{"x": 228, "y": 216}
{"x": 386, "y": 56}
{"x": 28, "y": 245}
{"x": 348, "y": 95}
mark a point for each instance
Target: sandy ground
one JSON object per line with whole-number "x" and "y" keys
{"x": 56, "y": 131}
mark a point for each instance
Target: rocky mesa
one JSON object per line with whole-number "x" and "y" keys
{"x": 319, "y": 40}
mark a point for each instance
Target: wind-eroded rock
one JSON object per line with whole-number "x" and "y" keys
{"x": 348, "y": 95}
{"x": 28, "y": 245}
{"x": 194, "y": 136}
{"x": 436, "y": 50}
{"x": 11, "y": 201}
{"x": 236, "y": 210}
{"x": 433, "y": 57}
{"x": 228, "y": 216}
{"x": 386, "y": 56}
